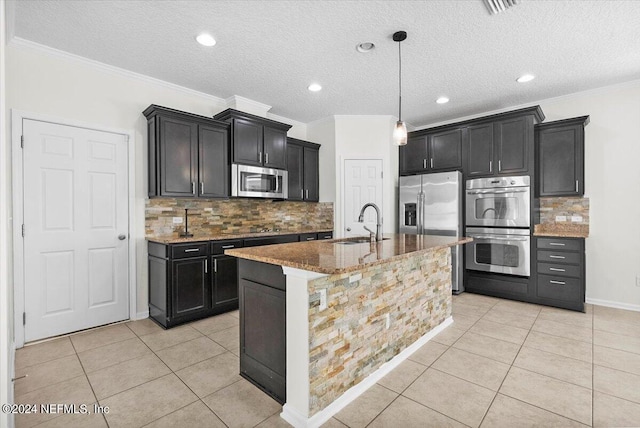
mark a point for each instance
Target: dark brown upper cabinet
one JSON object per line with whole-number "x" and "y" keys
{"x": 303, "y": 170}
{"x": 431, "y": 152}
{"x": 560, "y": 157}
{"x": 256, "y": 140}
{"x": 188, "y": 154}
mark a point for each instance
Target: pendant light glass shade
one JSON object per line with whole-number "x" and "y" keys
{"x": 400, "y": 134}
{"x": 400, "y": 131}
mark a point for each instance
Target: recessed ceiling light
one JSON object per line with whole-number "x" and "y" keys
{"x": 442, "y": 100}
{"x": 314, "y": 87}
{"x": 206, "y": 39}
{"x": 525, "y": 78}
{"x": 365, "y": 47}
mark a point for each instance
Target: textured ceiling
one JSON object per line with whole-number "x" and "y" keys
{"x": 270, "y": 51}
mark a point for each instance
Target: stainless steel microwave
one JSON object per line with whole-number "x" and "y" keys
{"x": 258, "y": 182}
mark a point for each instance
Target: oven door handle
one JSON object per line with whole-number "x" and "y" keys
{"x": 497, "y": 192}
{"x": 497, "y": 238}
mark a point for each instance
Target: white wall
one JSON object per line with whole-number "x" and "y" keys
{"x": 6, "y": 322}
{"x": 612, "y": 175}
{"x": 612, "y": 183}
{"x": 70, "y": 88}
{"x": 368, "y": 137}
{"x": 323, "y": 132}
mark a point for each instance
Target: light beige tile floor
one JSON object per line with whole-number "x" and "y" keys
{"x": 501, "y": 364}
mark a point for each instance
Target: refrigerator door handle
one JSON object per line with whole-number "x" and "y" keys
{"x": 420, "y": 209}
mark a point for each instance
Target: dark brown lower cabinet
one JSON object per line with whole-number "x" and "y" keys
{"x": 263, "y": 339}
{"x": 560, "y": 272}
{"x": 187, "y": 283}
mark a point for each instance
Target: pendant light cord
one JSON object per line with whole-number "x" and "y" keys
{"x": 400, "y": 81}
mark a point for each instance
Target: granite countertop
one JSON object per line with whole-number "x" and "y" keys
{"x": 562, "y": 230}
{"x": 332, "y": 257}
{"x": 173, "y": 239}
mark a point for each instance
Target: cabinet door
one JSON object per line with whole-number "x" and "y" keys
{"x": 414, "y": 155}
{"x": 213, "y": 162}
{"x": 263, "y": 336}
{"x": 480, "y": 148}
{"x": 311, "y": 175}
{"x": 295, "y": 162}
{"x": 178, "y": 157}
{"x": 445, "y": 150}
{"x": 190, "y": 285}
{"x": 225, "y": 281}
{"x": 561, "y": 161}
{"x": 247, "y": 142}
{"x": 275, "y": 148}
{"x": 512, "y": 144}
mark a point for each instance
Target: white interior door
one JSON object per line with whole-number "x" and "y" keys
{"x": 362, "y": 184}
{"x": 75, "y": 228}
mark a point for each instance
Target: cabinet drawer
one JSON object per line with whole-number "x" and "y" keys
{"x": 559, "y": 257}
{"x": 559, "y": 244}
{"x": 182, "y": 251}
{"x": 559, "y": 270}
{"x": 559, "y": 288}
{"x": 218, "y": 247}
{"x": 325, "y": 235}
{"x": 308, "y": 237}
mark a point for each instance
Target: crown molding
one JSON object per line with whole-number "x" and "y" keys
{"x": 20, "y": 43}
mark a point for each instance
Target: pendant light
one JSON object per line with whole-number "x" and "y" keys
{"x": 400, "y": 131}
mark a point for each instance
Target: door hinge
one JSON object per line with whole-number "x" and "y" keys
{"x": 22, "y": 141}
{"x": 24, "y": 318}
{"x": 381, "y": 174}
{"x": 23, "y": 230}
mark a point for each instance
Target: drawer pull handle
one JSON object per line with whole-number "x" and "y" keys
{"x": 556, "y": 244}
{"x": 557, "y": 282}
{"x": 191, "y": 250}
{"x": 310, "y": 238}
{"x": 557, "y": 270}
{"x": 224, "y": 247}
{"x": 553, "y": 256}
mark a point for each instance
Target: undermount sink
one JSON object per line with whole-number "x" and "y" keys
{"x": 357, "y": 241}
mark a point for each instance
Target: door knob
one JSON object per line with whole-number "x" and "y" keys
{"x": 348, "y": 229}
{"x": 122, "y": 237}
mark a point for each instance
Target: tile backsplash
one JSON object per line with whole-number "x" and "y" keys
{"x": 235, "y": 216}
{"x": 550, "y": 208}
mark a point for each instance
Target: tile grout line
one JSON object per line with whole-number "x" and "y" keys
{"x": 508, "y": 371}
{"x": 104, "y": 417}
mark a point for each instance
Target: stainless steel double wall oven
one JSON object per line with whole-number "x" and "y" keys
{"x": 498, "y": 219}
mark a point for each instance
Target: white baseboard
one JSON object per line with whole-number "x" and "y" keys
{"x": 295, "y": 418}
{"x": 612, "y": 304}
{"x": 142, "y": 315}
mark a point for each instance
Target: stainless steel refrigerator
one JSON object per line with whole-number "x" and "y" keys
{"x": 431, "y": 204}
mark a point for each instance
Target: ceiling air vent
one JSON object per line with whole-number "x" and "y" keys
{"x": 497, "y": 6}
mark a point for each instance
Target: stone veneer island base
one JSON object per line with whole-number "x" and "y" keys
{"x": 353, "y": 312}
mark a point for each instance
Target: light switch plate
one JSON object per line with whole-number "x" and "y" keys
{"x": 177, "y": 220}
{"x": 576, "y": 218}
{"x": 561, "y": 218}
{"x": 323, "y": 299}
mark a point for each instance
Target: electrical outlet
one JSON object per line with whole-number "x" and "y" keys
{"x": 388, "y": 321}
{"x": 561, "y": 218}
{"x": 323, "y": 299}
{"x": 177, "y": 220}
{"x": 576, "y": 218}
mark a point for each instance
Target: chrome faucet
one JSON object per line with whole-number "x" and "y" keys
{"x": 378, "y": 232}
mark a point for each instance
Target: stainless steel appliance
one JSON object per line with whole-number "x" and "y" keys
{"x": 431, "y": 204}
{"x": 499, "y": 250}
{"x": 258, "y": 182}
{"x": 498, "y": 202}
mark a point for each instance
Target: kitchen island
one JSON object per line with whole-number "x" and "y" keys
{"x": 353, "y": 310}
